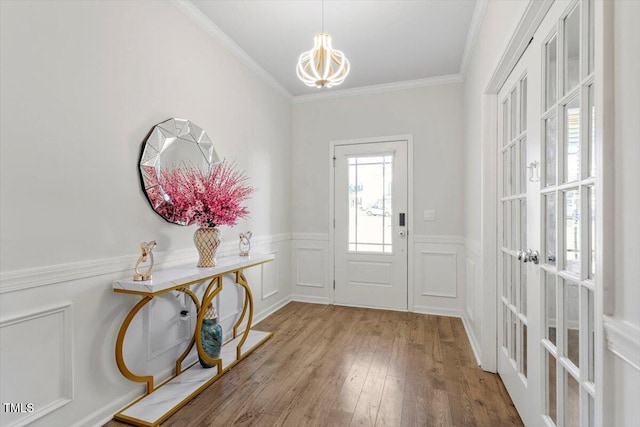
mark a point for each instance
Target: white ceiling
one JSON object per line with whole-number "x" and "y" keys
{"x": 386, "y": 41}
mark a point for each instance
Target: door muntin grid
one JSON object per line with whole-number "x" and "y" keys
{"x": 512, "y": 219}
{"x": 568, "y": 219}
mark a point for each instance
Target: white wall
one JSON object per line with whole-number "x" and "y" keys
{"x": 499, "y": 23}
{"x": 82, "y": 83}
{"x": 626, "y": 387}
{"x": 433, "y": 115}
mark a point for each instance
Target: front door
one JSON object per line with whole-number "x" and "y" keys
{"x": 370, "y": 237}
{"x": 547, "y": 219}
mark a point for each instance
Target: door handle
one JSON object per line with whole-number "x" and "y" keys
{"x": 529, "y": 256}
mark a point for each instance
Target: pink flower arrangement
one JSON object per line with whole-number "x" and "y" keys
{"x": 190, "y": 196}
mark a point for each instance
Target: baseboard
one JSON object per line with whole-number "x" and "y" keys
{"x": 311, "y": 299}
{"x": 270, "y": 310}
{"x": 371, "y": 307}
{"x": 623, "y": 340}
{"x": 437, "y": 311}
{"x": 472, "y": 339}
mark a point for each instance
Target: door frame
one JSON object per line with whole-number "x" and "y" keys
{"x": 604, "y": 121}
{"x": 331, "y": 212}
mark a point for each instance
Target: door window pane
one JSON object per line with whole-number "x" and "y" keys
{"x": 506, "y": 172}
{"x": 514, "y": 223}
{"x": 505, "y": 327}
{"x": 572, "y": 231}
{"x": 505, "y": 123}
{"x": 523, "y": 105}
{"x": 505, "y": 223}
{"x": 551, "y": 61}
{"x": 514, "y": 164}
{"x": 370, "y": 204}
{"x": 514, "y": 115}
{"x": 572, "y": 141}
{"x": 512, "y": 347}
{"x": 550, "y": 226}
{"x": 571, "y": 402}
{"x": 572, "y": 49}
{"x": 523, "y": 350}
{"x": 515, "y": 270}
{"x": 591, "y": 132}
{"x": 506, "y": 267}
{"x": 551, "y": 388}
{"x": 591, "y": 29}
{"x": 523, "y": 288}
{"x": 523, "y": 165}
{"x": 550, "y": 304}
{"x": 591, "y": 336}
{"x": 551, "y": 140}
{"x": 591, "y": 194}
{"x": 572, "y": 321}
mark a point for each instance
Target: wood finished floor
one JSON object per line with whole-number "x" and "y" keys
{"x": 340, "y": 366}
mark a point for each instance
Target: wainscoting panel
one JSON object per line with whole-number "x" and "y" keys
{"x": 310, "y": 272}
{"x": 471, "y": 288}
{"x": 438, "y": 274}
{"x": 270, "y": 274}
{"x": 39, "y": 345}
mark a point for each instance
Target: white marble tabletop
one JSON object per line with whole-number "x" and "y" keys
{"x": 167, "y": 279}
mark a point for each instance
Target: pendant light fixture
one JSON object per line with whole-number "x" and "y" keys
{"x": 322, "y": 66}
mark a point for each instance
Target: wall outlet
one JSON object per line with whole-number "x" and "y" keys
{"x": 430, "y": 215}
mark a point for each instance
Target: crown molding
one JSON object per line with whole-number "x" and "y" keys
{"x": 192, "y": 12}
{"x": 472, "y": 35}
{"x": 387, "y": 87}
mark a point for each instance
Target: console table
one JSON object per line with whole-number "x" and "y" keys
{"x": 164, "y": 400}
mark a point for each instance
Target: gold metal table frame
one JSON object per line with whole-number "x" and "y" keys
{"x": 214, "y": 276}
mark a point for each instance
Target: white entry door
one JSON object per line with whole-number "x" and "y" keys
{"x": 547, "y": 219}
{"x": 370, "y": 236}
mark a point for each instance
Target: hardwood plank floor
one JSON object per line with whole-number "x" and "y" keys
{"x": 342, "y": 366}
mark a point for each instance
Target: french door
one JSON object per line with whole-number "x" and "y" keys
{"x": 370, "y": 237}
{"x": 547, "y": 223}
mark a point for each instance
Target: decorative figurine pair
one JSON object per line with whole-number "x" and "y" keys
{"x": 245, "y": 243}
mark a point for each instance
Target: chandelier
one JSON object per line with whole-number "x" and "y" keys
{"x": 322, "y": 66}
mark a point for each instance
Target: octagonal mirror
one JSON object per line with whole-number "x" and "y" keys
{"x": 173, "y": 144}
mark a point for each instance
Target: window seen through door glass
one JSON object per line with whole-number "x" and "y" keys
{"x": 370, "y": 199}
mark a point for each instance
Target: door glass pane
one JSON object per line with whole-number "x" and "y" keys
{"x": 505, "y": 123}
{"x": 551, "y": 395}
{"x": 523, "y": 223}
{"x": 572, "y": 141}
{"x": 572, "y": 321}
{"x": 370, "y": 204}
{"x": 572, "y": 49}
{"x": 591, "y": 194}
{"x": 591, "y": 37}
{"x": 592, "y": 411}
{"x": 514, "y": 165}
{"x": 550, "y": 304}
{"x": 505, "y": 326}
{"x": 506, "y": 267}
{"x": 551, "y": 140}
{"x": 512, "y": 348}
{"x": 505, "y": 223}
{"x": 551, "y": 61}
{"x": 591, "y": 336}
{"x": 591, "y": 131}
{"x": 572, "y": 402}
{"x": 523, "y": 165}
{"x": 572, "y": 231}
{"x": 523, "y": 105}
{"x": 523, "y": 350}
{"x": 506, "y": 171}
{"x": 514, "y": 223}
{"x": 550, "y": 226}
{"x": 513, "y": 103}
{"x": 515, "y": 270}
{"x": 523, "y": 288}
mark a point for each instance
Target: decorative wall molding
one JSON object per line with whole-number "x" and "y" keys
{"x": 322, "y": 237}
{"x": 306, "y": 271}
{"x": 470, "y": 288}
{"x": 472, "y": 35}
{"x": 387, "y": 87}
{"x": 474, "y": 247}
{"x": 50, "y": 275}
{"x": 453, "y": 279}
{"x": 274, "y": 266}
{"x": 445, "y": 240}
{"x": 67, "y": 368}
{"x": 217, "y": 34}
{"x": 623, "y": 340}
